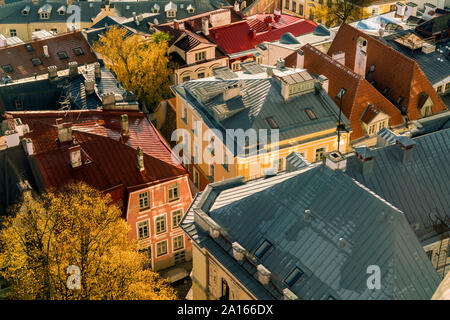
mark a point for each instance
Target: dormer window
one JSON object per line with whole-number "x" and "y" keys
{"x": 7, "y": 68}
{"x": 62, "y": 10}
{"x": 45, "y": 11}
{"x": 200, "y": 56}
{"x": 171, "y": 14}
{"x": 171, "y": 10}
{"x": 62, "y": 55}
{"x": 190, "y": 9}
{"x": 36, "y": 62}
{"x": 155, "y": 8}
{"x": 78, "y": 51}
{"x": 26, "y": 10}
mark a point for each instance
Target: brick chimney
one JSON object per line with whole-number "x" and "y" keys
{"x": 75, "y": 156}
{"x": 263, "y": 274}
{"x": 109, "y": 99}
{"x": 238, "y": 251}
{"x": 406, "y": 147}
{"x": 124, "y": 125}
{"x": 253, "y": 33}
{"x": 300, "y": 59}
{"x": 73, "y": 68}
{"x": 89, "y": 86}
{"x": 140, "y": 158}
{"x": 176, "y": 24}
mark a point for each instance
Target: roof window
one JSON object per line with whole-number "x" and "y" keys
{"x": 262, "y": 249}
{"x": 36, "y": 61}
{"x": 29, "y": 47}
{"x": 293, "y": 276}
{"x": 7, "y": 68}
{"x": 272, "y": 123}
{"x": 78, "y": 51}
{"x": 311, "y": 114}
{"x": 62, "y": 55}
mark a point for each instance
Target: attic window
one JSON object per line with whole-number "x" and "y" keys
{"x": 154, "y": 10}
{"x": 78, "y": 51}
{"x": 36, "y": 61}
{"x": 272, "y": 123}
{"x": 171, "y": 13}
{"x": 190, "y": 9}
{"x": 311, "y": 114}
{"x": 262, "y": 249}
{"x": 62, "y": 55}
{"x": 7, "y": 68}
{"x": 293, "y": 276}
{"x": 29, "y": 47}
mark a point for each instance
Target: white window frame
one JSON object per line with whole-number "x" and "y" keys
{"x": 167, "y": 248}
{"x": 178, "y": 191}
{"x": 182, "y": 243}
{"x": 164, "y": 215}
{"x": 148, "y": 229}
{"x": 148, "y": 199}
{"x": 172, "y": 216}
{"x": 315, "y": 153}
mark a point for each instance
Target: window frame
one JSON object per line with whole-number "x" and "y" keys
{"x": 315, "y": 154}
{"x": 172, "y": 214}
{"x": 13, "y": 31}
{"x": 158, "y": 221}
{"x": 295, "y": 277}
{"x": 157, "y": 251}
{"x": 173, "y": 186}
{"x": 261, "y": 251}
{"x": 182, "y": 242}
{"x": 141, "y": 208}
{"x": 138, "y": 228}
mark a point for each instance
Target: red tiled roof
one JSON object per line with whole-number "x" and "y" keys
{"x": 237, "y": 37}
{"x": 20, "y": 59}
{"x": 108, "y": 164}
{"x": 108, "y": 124}
{"x": 392, "y": 69}
{"x": 359, "y": 93}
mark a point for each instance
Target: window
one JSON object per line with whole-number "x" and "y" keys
{"x": 54, "y": 30}
{"x": 36, "y": 61}
{"x": 200, "y": 56}
{"x": 160, "y": 224}
{"x": 36, "y": 30}
{"x": 311, "y": 114}
{"x": 13, "y": 33}
{"x": 171, "y": 13}
{"x": 144, "y": 200}
{"x": 262, "y": 249}
{"x": 29, "y": 47}
{"x": 211, "y": 146}
{"x": 272, "y": 123}
{"x": 280, "y": 164}
{"x": 300, "y": 9}
{"x": 143, "y": 230}
{"x": 173, "y": 192}
{"x": 294, "y": 6}
{"x": 62, "y": 55}
{"x": 178, "y": 242}
{"x": 372, "y": 129}
{"x": 319, "y": 154}
{"x": 195, "y": 124}
{"x": 78, "y": 51}
{"x": 447, "y": 86}
{"x": 201, "y": 75}
{"x": 439, "y": 89}
{"x": 176, "y": 218}
{"x": 286, "y": 4}
{"x": 293, "y": 276}
{"x": 7, "y": 68}
{"x": 235, "y": 66}
{"x": 196, "y": 179}
{"x": 19, "y": 104}
{"x": 187, "y": 78}
{"x": 161, "y": 248}
{"x": 430, "y": 254}
{"x": 184, "y": 115}
{"x": 44, "y": 15}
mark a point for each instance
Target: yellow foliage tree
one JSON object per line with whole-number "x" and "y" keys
{"x": 74, "y": 245}
{"x": 336, "y": 12}
{"x": 140, "y": 64}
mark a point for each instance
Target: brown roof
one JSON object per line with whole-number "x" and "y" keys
{"x": 392, "y": 69}
{"x": 359, "y": 93}
{"x": 369, "y": 114}
{"x": 20, "y": 58}
{"x": 109, "y": 162}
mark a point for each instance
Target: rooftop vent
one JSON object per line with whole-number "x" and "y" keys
{"x": 341, "y": 242}
{"x": 308, "y": 214}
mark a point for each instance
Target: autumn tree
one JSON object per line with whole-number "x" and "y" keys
{"x": 140, "y": 64}
{"x": 336, "y": 12}
{"x": 74, "y": 245}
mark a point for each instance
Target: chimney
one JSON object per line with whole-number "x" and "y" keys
{"x": 411, "y": 10}
{"x": 28, "y": 146}
{"x": 253, "y": 33}
{"x": 269, "y": 71}
{"x": 324, "y": 82}
{"x": 335, "y": 160}
{"x": 97, "y": 71}
{"x": 280, "y": 63}
{"x": 109, "y": 99}
{"x": 64, "y": 132}
{"x": 406, "y": 146}
{"x": 238, "y": 251}
{"x": 176, "y": 24}
{"x": 45, "y": 49}
{"x": 263, "y": 274}
{"x": 400, "y": 10}
{"x": 289, "y": 295}
{"x": 52, "y": 73}
{"x": 73, "y": 68}
{"x": 75, "y": 156}
{"x": 231, "y": 92}
{"x": 124, "y": 124}
{"x": 12, "y": 138}
{"x": 429, "y": 10}
{"x": 339, "y": 57}
{"x": 236, "y": 6}
{"x": 205, "y": 26}
{"x": 366, "y": 158}
{"x": 276, "y": 12}
{"x": 361, "y": 56}
{"x": 89, "y": 86}
{"x": 140, "y": 158}
{"x": 300, "y": 59}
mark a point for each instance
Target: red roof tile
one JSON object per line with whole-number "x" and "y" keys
{"x": 20, "y": 59}
{"x": 237, "y": 37}
{"x": 392, "y": 69}
{"x": 359, "y": 93}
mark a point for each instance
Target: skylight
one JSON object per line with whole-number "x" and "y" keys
{"x": 78, "y": 51}
{"x": 7, "y": 68}
{"x": 311, "y": 114}
{"x": 62, "y": 55}
{"x": 36, "y": 61}
{"x": 29, "y": 47}
{"x": 272, "y": 123}
{"x": 293, "y": 276}
{"x": 262, "y": 249}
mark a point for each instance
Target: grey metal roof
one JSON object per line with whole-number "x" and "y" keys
{"x": 341, "y": 211}
{"x": 261, "y": 98}
{"x": 432, "y": 123}
{"x": 435, "y": 65}
{"x": 419, "y": 187}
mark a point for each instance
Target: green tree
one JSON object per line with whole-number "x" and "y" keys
{"x": 80, "y": 227}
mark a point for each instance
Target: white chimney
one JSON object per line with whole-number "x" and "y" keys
{"x": 238, "y": 251}
{"x": 276, "y": 12}
{"x": 300, "y": 59}
{"x": 335, "y": 160}
{"x": 12, "y": 138}
{"x": 140, "y": 155}
{"x": 205, "y": 26}
{"x": 231, "y": 92}
{"x": 236, "y": 6}
{"x": 28, "y": 146}
{"x": 324, "y": 82}
{"x": 45, "y": 49}
{"x": 75, "y": 156}
{"x": 108, "y": 99}
{"x": 97, "y": 71}
{"x": 339, "y": 57}
{"x": 263, "y": 274}
{"x": 411, "y": 10}
{"x": 64, "y": 132}
{"x": 429, "y": 10}
{"x": 400, "y": 10}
